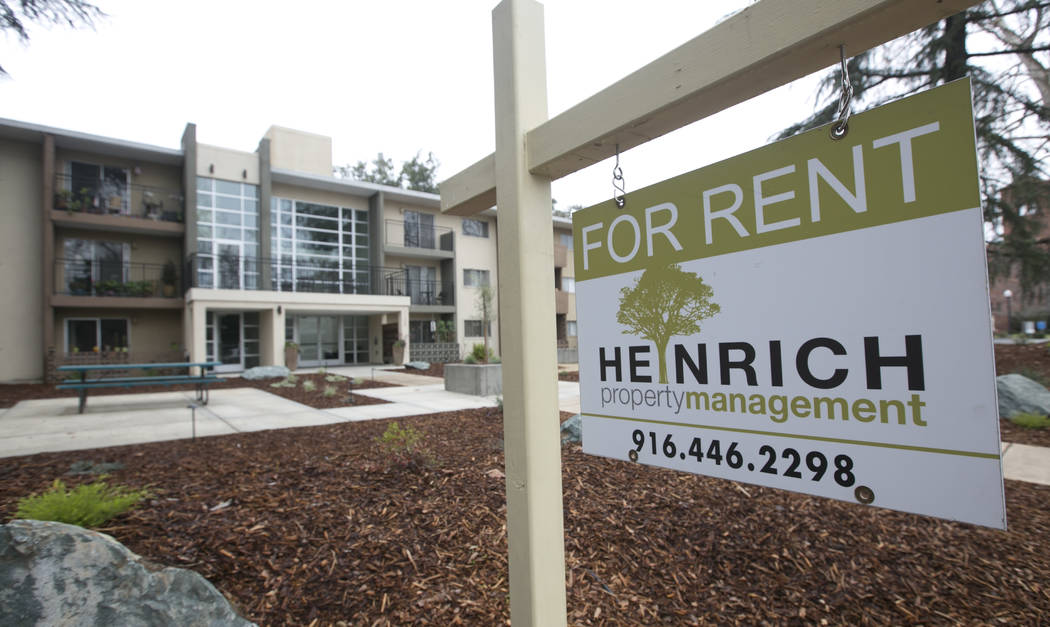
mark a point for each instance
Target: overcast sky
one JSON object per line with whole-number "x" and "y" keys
{"x": 396, "y": 76}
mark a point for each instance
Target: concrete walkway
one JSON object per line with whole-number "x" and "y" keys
{"x": 113, "y": 420}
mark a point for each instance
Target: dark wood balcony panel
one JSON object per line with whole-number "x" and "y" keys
{"x": 561, "y": 256}
{"x": 561, "y": 302}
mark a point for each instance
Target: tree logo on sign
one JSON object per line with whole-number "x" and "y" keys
{"x": 665, "y": 301}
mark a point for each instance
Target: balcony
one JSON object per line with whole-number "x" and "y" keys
{"x": 561, "y": 302}
{"x": 426, "y": 295}
{"x": 115, "y": 207}
{"x": 88, "y": 283}
{"x": 561, "y": 256}
{"x": 412, "y": 239}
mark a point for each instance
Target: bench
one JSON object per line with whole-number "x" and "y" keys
{"x": 201, "y": 381}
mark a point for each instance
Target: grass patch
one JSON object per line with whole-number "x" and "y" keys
{"x": 1030, "y": 421}
{"x": 87, "y": 505}
{"x": 1034, "y": 375}
{"x": 309, "y": 386}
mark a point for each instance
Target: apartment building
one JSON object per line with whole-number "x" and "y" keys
{"x": 564, "y": 288}
{"x": 122, "y": 251}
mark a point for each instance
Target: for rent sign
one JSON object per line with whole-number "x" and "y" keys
{"x": 812, "y": 316}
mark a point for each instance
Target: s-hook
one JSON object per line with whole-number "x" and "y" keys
{"x": 841, "y": 126}
{"x": 619, "y": 191}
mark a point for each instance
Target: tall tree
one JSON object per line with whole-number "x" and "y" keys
{"x": 418, "y": 174}
{"x": 16, "y": 14}
{"x": 665, "y": 301}
{"x": 1003, "y": 46}
{"x": 487, "y": 311}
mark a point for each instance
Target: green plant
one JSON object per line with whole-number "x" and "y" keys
{"x": 403, "y": 445}
{"x": 399, "y": 343}
{"x": 86, "y": 505}
{"x": 329, "y": 391}
{"x": 1030, "y": 421}
{"x": 481, "y": 353}
{"x": 309, "y": 386}
{"x": 335, "y": 378}
{"x": 292, "y": 345}
{"x": 168, "y": 275}
{"x": 470, "y": 359}
{"x": 1020, "y": 338}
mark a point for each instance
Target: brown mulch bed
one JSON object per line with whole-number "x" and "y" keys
{"x": 322, "y": 526}
{"x": 13, "y": 393}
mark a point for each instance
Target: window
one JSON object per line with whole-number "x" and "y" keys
{"x": 89, "y": 262}
{"x": 319, "y": 248}
{"x": 475, "y": 228}
{"x": 568, "y": 284}
{"x": 421, "y": 331}
{"x": 84, "y": 335}
{"x": 102, "y": 188}
{"x": 565, "y": 239}
{"x": 475, "y": 278}
{"x": 570, "y": 328}
{"x": 419, "y": 230}
{"x": 227, "y": 234}
{"x": 472, "y": 328}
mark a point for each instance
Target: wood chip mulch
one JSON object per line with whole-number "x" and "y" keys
{"x": 315, "y": 526}
{"x": 10, "y": 394}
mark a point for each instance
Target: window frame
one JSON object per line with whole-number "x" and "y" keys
{"x": 480, "y": 273}
{"x": 466, "y": 332}
{"x": 98, "y": 330}
{"x": 483, "y": 224}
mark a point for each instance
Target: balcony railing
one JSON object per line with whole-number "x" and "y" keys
{"x": 137, "y": 201}
{"x": 422, "y": 292}
{"x": 416, "y": 235}
{"x": 80, "y": 277}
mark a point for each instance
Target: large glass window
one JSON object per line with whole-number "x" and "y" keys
{"x": 319, "y": 248}
{"x": 565, "y": 239}
{"x": 227, "y": 234}
{"x": 421, "y": 331}
{"x": 84, "y": 335}
{"x": 475, "y": 278}
{"x": 473, "y": 328}
{"x": 568, "y": 284}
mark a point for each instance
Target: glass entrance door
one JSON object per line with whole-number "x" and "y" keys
{"x": 319, "y": 340}
{"x": 228, "y": 333}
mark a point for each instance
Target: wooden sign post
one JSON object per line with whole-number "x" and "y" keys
{"x": 760, "y": 48}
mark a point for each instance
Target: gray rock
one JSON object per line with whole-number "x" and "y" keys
{"x": 571, "y": 430}
{"x": 417, "y": 365}
{"x": 266, "y": 372}
{"x": 57, "y": 574}
{"x": 1019, "y": 394}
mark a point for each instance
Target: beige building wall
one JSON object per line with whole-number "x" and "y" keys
{"x": 478, "y": 253}
{"x": 229, "y": 165}
{"x": 21, "y": 266}
{"x": 319, "y": 196}
{"x": 151, "y": 332}
{"x": 300, "y": 151}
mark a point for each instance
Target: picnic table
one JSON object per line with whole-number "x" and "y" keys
{"x": 201, "y": 380}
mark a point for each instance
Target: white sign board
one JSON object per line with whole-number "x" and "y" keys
{"x": 811, "y": 316}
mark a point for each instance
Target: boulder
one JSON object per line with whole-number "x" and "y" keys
{"x": 266, "y": 372}
{"x": 571, "y": 430}
{"x": 1019, "y": 394}
{"x": 57, "y": 574}
{"x": 417, "y": 365}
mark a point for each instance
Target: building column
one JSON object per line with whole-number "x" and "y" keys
{"x": 271, "y": 336}
{"x": 48, "y": 248}
{"x": 265, "y": 194}
{"x": 197, "y": 342}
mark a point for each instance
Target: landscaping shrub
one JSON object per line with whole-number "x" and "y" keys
{"x": 1030, "y": 421}
{"x": 329, "y": 391}
{"x": 87, "y": 505}
{"x": 402, "y": 445}
{"x": 309, "y": 386}
{"x": 478, "y": 353}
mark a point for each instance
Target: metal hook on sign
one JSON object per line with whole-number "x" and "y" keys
{"x": 841, "y": 126}
{"x": 619, "y": 191}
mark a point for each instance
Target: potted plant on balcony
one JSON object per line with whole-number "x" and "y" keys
{"x": 399, "y": 352}
{"x": 168, "y": 278}
{"x": 153, "y": 205}
{"x": 291, "y": 355}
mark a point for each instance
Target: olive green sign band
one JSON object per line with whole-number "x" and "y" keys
{"x": 909, "y": 159}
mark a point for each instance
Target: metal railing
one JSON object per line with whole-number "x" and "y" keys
{"x": 76, "y": 195}
{"x": 80, "y": 277}
{"x": 287, "y": 274}
{"x": 416, "y": 235}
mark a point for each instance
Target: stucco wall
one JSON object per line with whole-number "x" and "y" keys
{"x": 21, "y": 265}
{"x": 300, "y": 151}
{"x": 229, "y": 165}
